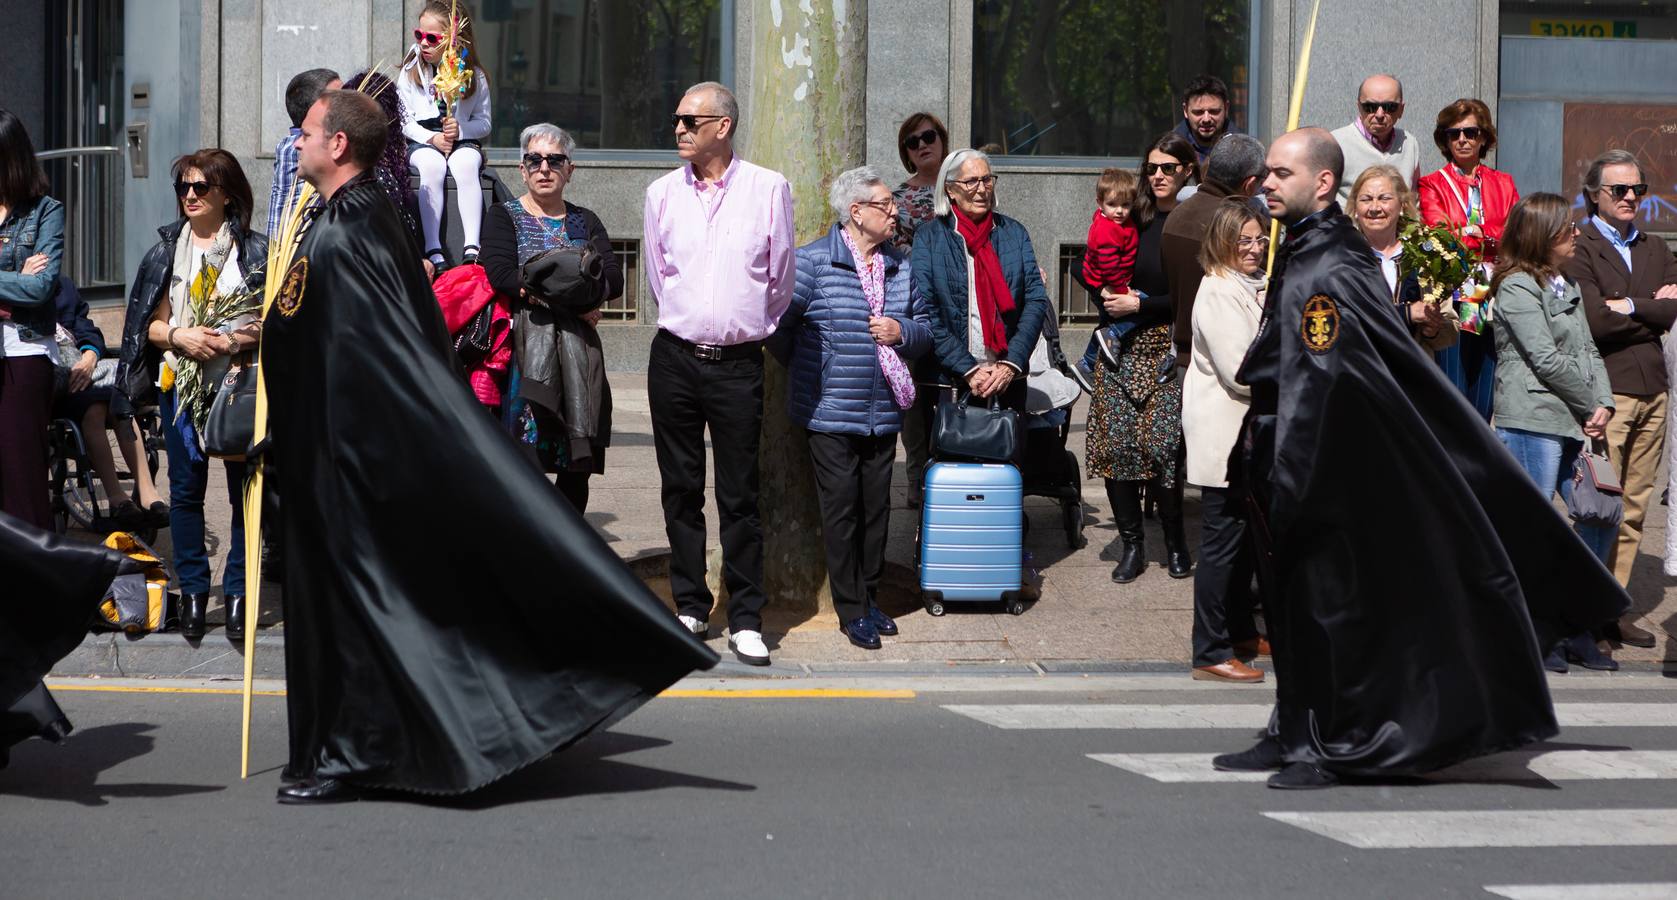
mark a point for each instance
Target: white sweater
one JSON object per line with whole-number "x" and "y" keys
{"x": 418, "y": 105}
{"x": 1405, "y": 156}
{"x": 1226, "y": 315}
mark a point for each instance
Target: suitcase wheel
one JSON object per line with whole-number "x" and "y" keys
{"x": 1016, "y": 607}
{"x": 934, "y": 603}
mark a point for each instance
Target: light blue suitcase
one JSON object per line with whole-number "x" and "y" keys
{"x": 971, "y": 536}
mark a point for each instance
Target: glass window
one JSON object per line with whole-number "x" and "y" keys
{"x": 1099, "y": 77}
{"x": 608, "y": 71}
{"x": 1574, "y": 19}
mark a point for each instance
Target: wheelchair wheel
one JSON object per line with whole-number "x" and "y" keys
{"x": 74, "y": 502}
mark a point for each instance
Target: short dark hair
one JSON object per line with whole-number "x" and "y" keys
{"x": 1234, "y": 159}
{"x": 1204, "y": 85}
{"x": 1457, "y": 111}
{"x": 304, "y": 89}
{"x": 221, "y": 169}
{"x": 911, "y": 125}
{"x": 1323, "y": 153}
{"x": 361, "y": 120}
{"x": 21, "y": 177}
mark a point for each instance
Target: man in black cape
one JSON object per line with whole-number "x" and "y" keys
{"x": 449, "y": 618}
{"x": 52, "y": 588}
{"x": 1411, "y": 571}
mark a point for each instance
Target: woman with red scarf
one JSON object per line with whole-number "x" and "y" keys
{"x": 1474, "y": 200}
{"x": 976, "y": 271}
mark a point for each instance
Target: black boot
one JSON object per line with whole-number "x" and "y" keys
{"x": 1125, "y": 497}
{"x": 193, "y": 607}
{"x": 1177, "y": 559}
{"x": 235, "y": 617}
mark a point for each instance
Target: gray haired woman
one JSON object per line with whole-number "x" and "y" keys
{"x": 556, "y": 401}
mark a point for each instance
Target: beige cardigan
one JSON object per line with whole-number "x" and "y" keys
{"x": 1225, "y": 318}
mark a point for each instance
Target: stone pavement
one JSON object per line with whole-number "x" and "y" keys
{"x": 1082, "y": 622}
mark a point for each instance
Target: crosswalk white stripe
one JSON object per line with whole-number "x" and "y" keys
{"x": 1252, "y": 715}
{"x": 1649, "y": 891}
{"x": 1491, "y": 828}
{"x": 1528, "y": 765}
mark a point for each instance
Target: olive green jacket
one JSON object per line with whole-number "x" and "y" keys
{"x": 1549, "y": 376}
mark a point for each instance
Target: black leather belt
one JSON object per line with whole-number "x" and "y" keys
{"x": 715, "y": 352}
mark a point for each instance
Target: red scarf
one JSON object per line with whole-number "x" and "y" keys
{"x": 993, "y": 296}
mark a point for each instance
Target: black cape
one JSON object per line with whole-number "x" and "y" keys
{"x": 1412, "y": 570}
{"x": 53, "y": 586}
{"x": 449, "y": 618}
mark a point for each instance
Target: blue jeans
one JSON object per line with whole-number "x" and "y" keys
{"x": 189, "y": 477}
{"x": 1550, "y": 459}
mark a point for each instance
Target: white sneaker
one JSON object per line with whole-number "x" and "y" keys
{"x": 749, "y": 647}
{"x": 698, "y": 627}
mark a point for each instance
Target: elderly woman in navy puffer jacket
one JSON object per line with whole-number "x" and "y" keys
{"x": 853, "y": 324}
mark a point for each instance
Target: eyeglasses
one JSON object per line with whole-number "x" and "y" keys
{"x": 1620, "y": 190}
{"x": 428, "y": 38}
{"x": 926, "y": 137}
{"x": 972, "y": 184}
{"x": 689, "y": 121}
{"x": 884, "y": 206}
{"x": 1470, "y": 132}
{"x": 555, "y": 161}
{"x": 1167, "y": 168}
{"x": 1389, "y": 106}
{"x": 1247, "y": 243}
{"x": 199, "y": 188}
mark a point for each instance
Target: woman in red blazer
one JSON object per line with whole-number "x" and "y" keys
{"x": 1474, "y": 199}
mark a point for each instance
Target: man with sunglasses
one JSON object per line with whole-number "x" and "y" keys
{"x": 1374, "y": 139}
{"x": 719, "y": 258}
{"x": 1628, "y": 280}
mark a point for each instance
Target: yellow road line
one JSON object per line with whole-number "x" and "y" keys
{"x": 673, "y": 693}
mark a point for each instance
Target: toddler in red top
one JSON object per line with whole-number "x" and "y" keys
{"x": 1108, "y": 262}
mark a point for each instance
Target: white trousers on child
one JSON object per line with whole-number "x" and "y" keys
{"x": 464, "y": 163}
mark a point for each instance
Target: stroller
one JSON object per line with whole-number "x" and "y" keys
{"x": 1049, "y": 469}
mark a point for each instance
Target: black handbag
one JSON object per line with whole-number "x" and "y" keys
{"x": 974, "y": 433}
{"x": 232, "y": 420}
{"x": 472, "y": 344}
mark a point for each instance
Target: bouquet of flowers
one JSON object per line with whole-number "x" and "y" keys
{"x": 454, "y": 75}
{"x": 1445, "y": 267}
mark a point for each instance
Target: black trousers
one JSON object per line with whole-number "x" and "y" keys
{"x": 687, "y": 395}
{"x": 853, "y": 485}
{"x": 1223, "y": 581}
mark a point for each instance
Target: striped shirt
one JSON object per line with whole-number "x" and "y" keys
{"x": 285, "y": 178}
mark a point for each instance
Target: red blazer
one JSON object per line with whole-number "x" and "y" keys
{"x": 1439, "y": 205}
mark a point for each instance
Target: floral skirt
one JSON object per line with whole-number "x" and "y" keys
{"x": 1135, "y": 424}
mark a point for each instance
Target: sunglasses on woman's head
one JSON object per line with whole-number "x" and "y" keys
{"x": 428, "y": 38}
{"x": 1620, "y": 190}
{"x": 1470, "y": 132}
{"x": 555, "y": 161}
{"x": 1167, "y": 168}
{"x": 1390, "y": 106}
{"x": 199, "y": 188}
{"x": 926, "y": 137}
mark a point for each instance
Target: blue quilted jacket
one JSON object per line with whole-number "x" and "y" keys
{"x": 836, "y": 384}
{"x": 940, "y": 276}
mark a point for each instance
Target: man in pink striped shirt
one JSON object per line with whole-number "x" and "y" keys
{"x": 718, "y": 251}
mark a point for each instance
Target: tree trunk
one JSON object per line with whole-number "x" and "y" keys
{"x": 807, "y": 120}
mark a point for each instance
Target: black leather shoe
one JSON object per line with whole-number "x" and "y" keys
{"x": 881, "y": 622}
{"x": 1264, "y": 756}
{"x": 1582, "y": 650}
{"x": 289, "y": 775}
{"x": 235, "y": 616}
{"x": 193, "y": 607}
{"x": 1555, "y": 661}
{"x": 861, "y": 633}
{"x": 1625, "y": 632}
{"x": 1302, "y": 776}
{"x": 1131, "y": 564}
{"x": 318, "y": 790}
{"x": 1179, "y": 563}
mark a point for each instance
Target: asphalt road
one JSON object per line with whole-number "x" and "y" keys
{"x": 1053, "y": 786}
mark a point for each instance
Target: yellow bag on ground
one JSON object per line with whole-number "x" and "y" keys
{"x": 137, "y": 601}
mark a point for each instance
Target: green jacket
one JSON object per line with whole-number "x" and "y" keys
{"x": 1549, "y": 375}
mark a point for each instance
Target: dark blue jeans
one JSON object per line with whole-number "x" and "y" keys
{"x": 189, "y": 478}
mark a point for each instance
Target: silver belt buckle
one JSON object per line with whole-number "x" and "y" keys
{"x": 710, "y": 352}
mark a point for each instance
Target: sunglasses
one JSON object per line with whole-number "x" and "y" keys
{"x": 198, "y": 188}
{"x": 1471, "y": 133}
{"x": 1167, "y": 168}
{"x": 1620, "y": 190}
{"x": 555, "y": 161}
{"x": 926, "y": 137}
{"x": 428, "y": 38}
{"x": 1390, "y": 107}
{"x": 689, "y": 121}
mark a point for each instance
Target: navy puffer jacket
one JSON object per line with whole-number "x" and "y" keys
{"x": 940, "y": 276}
{"x": 836, "y": 383}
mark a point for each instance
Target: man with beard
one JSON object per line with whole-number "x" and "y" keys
{"x": 1405, "y": 559}
{"x": 449, "y": 617}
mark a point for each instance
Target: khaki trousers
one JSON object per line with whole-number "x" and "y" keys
{"x": 1635, "y": 443}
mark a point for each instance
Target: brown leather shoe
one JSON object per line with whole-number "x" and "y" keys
{"x": 1628, "y": 634}
{"x": 1232, "y": 670}
{"x": 1258, "y": 646}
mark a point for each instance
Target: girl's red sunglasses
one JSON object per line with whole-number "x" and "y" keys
{"x": 428, "y": 38}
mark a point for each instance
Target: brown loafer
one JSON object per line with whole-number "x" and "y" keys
{"x": 1232, "y": 670}
{"x": 1258, "y": 646}
{"x": 1628, "y": 634}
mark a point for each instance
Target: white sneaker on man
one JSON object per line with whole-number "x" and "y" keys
{"x": 749, "y": 647}
{"x": 698, "y": 627}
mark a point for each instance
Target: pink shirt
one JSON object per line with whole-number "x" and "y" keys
{"x": 719, "y": 257}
